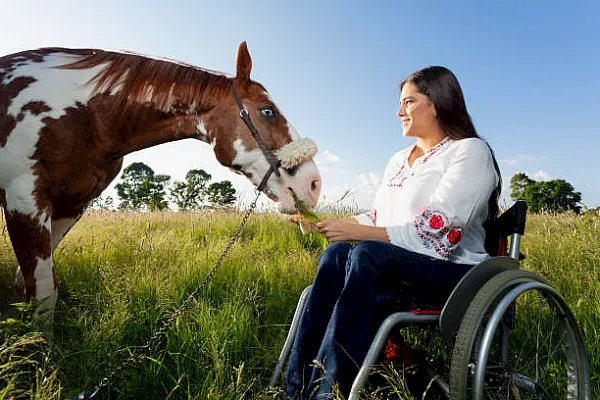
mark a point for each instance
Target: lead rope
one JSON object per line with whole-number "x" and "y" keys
{"x": 146, "y": 349}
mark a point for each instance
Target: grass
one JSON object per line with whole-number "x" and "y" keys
{"x": 122, "y": 274}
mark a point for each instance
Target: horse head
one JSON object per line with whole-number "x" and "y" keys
{"x": 236, "y": 147}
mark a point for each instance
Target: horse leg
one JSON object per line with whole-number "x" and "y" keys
{"x": 32, "y": 244}
{"x": 60, "y": 228}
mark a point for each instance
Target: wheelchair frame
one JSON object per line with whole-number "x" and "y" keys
{"x": 481, "y": 304}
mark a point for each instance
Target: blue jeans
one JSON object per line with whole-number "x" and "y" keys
{"x": 356, "y": 287}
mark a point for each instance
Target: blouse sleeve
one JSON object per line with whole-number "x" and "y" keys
{"x": 367, "y": 218}
{"x": 463, "y": 190}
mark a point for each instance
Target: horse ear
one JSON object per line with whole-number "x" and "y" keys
{"x": 243, "y": 62}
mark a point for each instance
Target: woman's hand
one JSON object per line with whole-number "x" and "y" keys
{"x": 304, "y": 225}
{"x": 337, "y": 230}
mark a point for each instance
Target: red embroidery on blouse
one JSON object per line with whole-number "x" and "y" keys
{"x": 397, "y": 175}
{"x": 423, "y": 161}
{"x": 435, "y": 149}
{"x": 436, "y": 221}
{"x": 433, "y": 229}
{"x": 373, "y": 216}
{"x": 454, "y": 236}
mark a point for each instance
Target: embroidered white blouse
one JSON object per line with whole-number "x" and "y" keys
{"x": 438, "y": 206}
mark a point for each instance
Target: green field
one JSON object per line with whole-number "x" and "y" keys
{"x": 122, "y": 274}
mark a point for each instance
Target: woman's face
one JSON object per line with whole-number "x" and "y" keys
{"x": 416, "y": 112}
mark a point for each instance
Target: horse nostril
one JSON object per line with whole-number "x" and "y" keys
{"x": 315, "y": 185}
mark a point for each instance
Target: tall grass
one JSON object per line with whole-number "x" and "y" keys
{"x": 565, "y": 250}
{"x": 122, "y": 274}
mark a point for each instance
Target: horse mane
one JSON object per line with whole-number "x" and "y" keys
{"x": 133, "y": 79}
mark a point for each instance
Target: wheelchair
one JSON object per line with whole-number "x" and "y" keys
{"x": 514, "y": 335}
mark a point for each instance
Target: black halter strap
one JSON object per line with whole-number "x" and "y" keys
{"x": 271, "y": 159}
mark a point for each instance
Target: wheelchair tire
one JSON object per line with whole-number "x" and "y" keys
{"x": 519, "y": 340}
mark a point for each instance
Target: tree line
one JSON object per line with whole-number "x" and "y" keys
{"x": 556, "y": 195}
{"x": 141, "y": 188}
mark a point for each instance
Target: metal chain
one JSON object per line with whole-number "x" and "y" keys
{"x": 144, "y": 350}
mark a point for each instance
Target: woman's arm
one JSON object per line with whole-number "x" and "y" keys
{"x": 346, "y": 229}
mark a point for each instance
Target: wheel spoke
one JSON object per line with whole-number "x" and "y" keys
{"x": 535, "y": 348}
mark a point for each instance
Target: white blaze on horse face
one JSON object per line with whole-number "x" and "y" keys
{"x": 254, "y": 164}
{"x": 306, "y": 184}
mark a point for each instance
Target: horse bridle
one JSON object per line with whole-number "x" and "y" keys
{"x": 271, "y": 159}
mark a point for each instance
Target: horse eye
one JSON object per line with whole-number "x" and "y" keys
{"x": 267, "y": 112}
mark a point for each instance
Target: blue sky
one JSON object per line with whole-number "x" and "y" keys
{"x": 529, "y": 70}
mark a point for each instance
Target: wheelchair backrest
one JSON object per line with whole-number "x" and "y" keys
{"x": 510, "y": 223}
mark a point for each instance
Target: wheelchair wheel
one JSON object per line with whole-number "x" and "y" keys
{"x": 519, "y": 340}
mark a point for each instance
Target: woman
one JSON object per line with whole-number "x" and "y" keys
{"x": 424, "y": 233}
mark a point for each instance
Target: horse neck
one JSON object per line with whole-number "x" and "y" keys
{"x": 148, "y": 126}
{"x": 174, "y": 111}
{"x": 139, "y": 102}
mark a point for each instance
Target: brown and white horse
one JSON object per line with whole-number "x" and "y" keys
{"x": 68, "y": 116}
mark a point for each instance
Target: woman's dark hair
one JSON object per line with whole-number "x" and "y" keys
{"x": 443, "y": 89}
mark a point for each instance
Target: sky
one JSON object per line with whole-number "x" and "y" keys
{"x": 530, "y": 72}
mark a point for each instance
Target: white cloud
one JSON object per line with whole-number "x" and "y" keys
{"x": 526, "y": 158}
{"x": 329, "y": 156}
{"x": 349, "y": 198}
{"x": 368, "y": 179}
{"x": 363, "y": 179}
{"x": 538, "y": 176}
{"x": 541, "y": 176}
{"x": 329, "y": 169}
{"x": 356, "y": 191}
{"x": 512, "y": 161}
{"x": 364, "y": 193}
{"x": 374, "y": 178}
{"x": 364, "y": 198}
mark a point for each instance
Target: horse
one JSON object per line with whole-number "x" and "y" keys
{"x": 68, "y": 116}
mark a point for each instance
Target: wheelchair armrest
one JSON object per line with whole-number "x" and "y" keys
{"x": 467, "y": 288}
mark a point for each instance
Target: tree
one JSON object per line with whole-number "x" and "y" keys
{"x": 100, "y": 203}
{"x": 518, "y": 183}
{"x": 221, "y": 194}
{"x": 158, "y": 201}
{"x": 556, "y": 195}
{"x": 191, "y": 194}
{"x": 141, "y": 188}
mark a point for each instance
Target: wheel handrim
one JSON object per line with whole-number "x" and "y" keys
{"x": 544, "y": 367}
